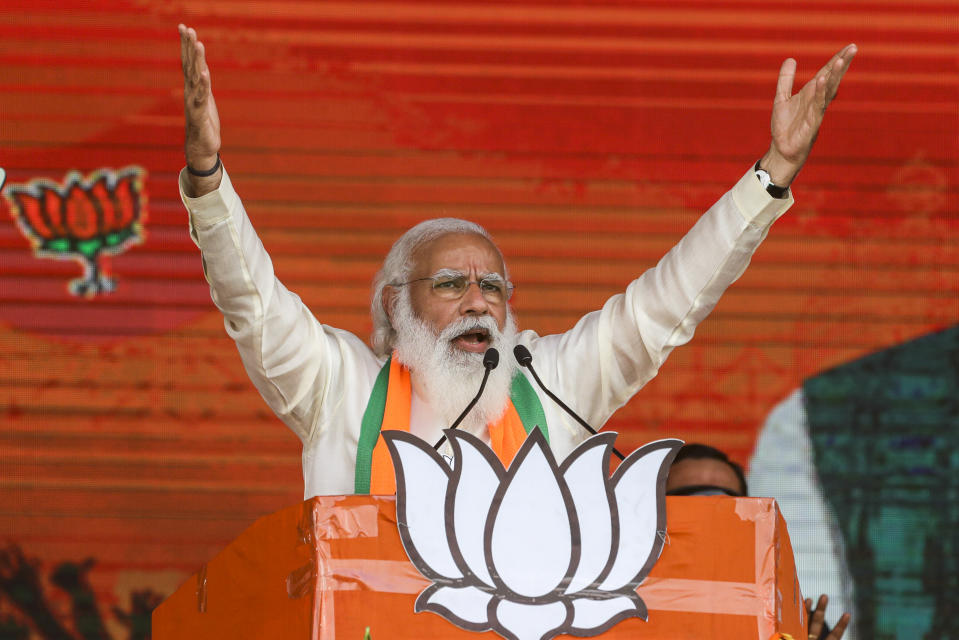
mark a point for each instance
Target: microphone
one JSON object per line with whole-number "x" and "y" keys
{"x": 525, "y": 359}
{"x": 490, "y": 360}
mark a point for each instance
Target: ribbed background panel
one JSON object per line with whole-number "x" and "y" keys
{"x": 587, "y": 136}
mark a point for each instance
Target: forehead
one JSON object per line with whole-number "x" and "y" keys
{"x": 693, "y": 471}
{"x": 467, "y": 252}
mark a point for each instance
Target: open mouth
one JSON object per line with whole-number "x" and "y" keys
{"x": 474, "y": 339}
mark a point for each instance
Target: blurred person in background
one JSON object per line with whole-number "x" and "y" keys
{"x": 702, "y": 470}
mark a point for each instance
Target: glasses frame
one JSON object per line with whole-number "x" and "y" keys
{"x": 452, "y": 275}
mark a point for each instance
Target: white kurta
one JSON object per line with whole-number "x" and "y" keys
{"x": 318, "y": 379}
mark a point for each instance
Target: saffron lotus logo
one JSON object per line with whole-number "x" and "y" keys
{"x": 83, "y": 219}
{"x": 537, "y": 550}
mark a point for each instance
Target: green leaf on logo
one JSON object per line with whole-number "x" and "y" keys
{"x": 89, "y": 248}
{"x": 59, "y": 245}
{"x": 118, "y": 237}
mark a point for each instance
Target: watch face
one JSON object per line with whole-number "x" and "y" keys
{"x": 764, "y": 178}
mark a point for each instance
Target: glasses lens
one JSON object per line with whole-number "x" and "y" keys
{"x": 493, "y": 289}
{"x": 450, "y": 286}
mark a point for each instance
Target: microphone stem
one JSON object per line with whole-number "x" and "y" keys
{"x": 467, "y": 409}
{"x": 529, "y": 365}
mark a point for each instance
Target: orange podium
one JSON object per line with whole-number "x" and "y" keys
{"x": 334, "y": 568}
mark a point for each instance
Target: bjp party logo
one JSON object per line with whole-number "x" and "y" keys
{"x": 83, "y": 219}
{"x": 536, "y": 550}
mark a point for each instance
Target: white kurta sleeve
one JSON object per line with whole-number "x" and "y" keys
{"x": 610, "y": 354}
{"x": 294, "y": 361}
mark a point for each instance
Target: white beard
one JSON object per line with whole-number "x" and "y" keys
{"x": 451, "y": 376}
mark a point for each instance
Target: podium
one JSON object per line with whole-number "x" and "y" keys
{"x": 334, "y": 566}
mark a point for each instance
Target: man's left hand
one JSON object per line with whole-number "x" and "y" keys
{"x": 796, "y": 118}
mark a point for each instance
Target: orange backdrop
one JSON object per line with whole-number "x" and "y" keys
{"x": 587, "y": 136}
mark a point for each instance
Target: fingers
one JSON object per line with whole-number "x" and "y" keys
{"x": 183, "y": 45}
{"x": 834, "y": 71}
{"x": 201, "y": 65}
{"x": 787, "y": 75}
{"x": 840, "y": 628}
{"x": 822, "y": 95}
{"x": 192, "y": 53}
{"x": 840, "y": 66}
{"x": 196, "y": 73}
{"x": 817, "y": 615}
{"x": 187, "y": 46}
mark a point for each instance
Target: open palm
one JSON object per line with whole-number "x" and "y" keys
{"x": 202, "y": 119}
{"x": 796, "y": 118}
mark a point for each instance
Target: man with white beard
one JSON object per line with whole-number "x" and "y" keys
{"x": 450, "y": 375}
{"x": 432, "y": 325}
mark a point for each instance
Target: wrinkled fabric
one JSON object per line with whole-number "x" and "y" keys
{"x": 317, "y": 378}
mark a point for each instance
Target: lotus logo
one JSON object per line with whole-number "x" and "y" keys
{"x": 538, "y": 550}
{"x": 82, "y": 219}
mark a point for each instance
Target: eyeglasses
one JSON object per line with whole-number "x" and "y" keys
{"x": 452, "y": 286}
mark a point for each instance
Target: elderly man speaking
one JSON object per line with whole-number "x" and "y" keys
{"x": 441, "y": 300}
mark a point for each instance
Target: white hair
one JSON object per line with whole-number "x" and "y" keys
{"x": 398, "y": 264}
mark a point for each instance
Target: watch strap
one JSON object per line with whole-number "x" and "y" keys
{"x": 765, "y": 179}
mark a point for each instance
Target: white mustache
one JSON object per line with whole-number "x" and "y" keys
{"x": 468, "y": 325}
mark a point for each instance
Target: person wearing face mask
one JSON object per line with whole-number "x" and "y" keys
{"x": 702, "y": 470}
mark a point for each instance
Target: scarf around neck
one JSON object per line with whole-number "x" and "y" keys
{"x": 389, "y": 408}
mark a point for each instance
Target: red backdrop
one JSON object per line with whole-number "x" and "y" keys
{"x": 586, "y": 136}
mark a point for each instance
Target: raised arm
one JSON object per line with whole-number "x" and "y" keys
{"x": 202, "y": 139}
{"x": 295, "y": 362}
{"x": 612, "y": 353}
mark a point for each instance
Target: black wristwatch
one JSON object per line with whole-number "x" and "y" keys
{"x": 767, "y": 182}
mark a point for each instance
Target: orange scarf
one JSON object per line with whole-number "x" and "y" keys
{"x": 506, "y": 434}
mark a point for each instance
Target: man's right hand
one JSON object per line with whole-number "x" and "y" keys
{"x": 202, "y": 120}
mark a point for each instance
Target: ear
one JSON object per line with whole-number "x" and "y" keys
{"x": 389, "y": 301}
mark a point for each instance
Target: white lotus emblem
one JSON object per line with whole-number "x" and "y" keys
{"x": 540, "y": 549}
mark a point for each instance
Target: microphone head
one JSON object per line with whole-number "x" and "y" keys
{"x": 491, "y": 358}
{"x": 522, "y": 355}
